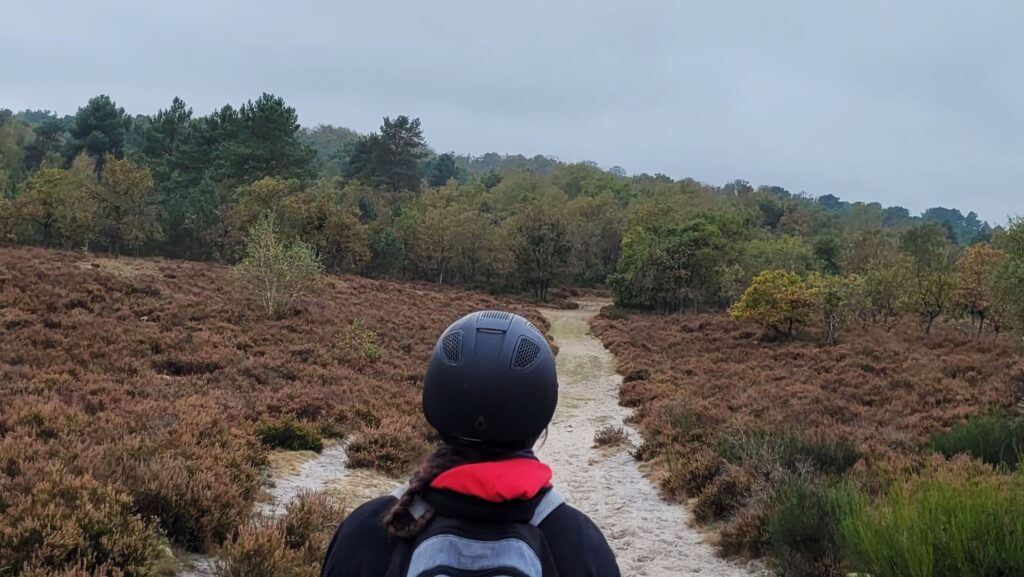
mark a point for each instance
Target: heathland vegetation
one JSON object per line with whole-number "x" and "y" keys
{"x": 140, "y": 398}
{"x": 835, "y": 385}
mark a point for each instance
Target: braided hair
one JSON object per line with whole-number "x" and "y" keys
{"x": 399, "y": 520}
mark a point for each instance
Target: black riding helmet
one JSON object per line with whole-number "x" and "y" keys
{"x": 491, "y": 381}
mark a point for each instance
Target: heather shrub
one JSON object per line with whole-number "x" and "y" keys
{"x": 793, "y": 452}
{"x": 744, "y": 533}
{"x": 944, "y": 525}
{"x": 291, "y": 435}
{"x": 724, "y": 494}
{"x": 390, "y": 448}
{"x": 292, "y": 545}
{"x": 802, "y": 532}
{"x": 997, "y": 439}
{"x": 610, "y": 436}
{"x": 59, "y": 523}
{"x": 193, "y": 500}
{"x": 688, "y": 476}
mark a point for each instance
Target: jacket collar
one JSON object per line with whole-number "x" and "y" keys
{"x": 518, "y": 478}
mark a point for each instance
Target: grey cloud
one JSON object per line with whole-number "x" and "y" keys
{"x": 913, "y": 103}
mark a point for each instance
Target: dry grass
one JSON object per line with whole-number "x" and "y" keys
{"x": 731, "y": 418}
{"x": 148, "y": 379}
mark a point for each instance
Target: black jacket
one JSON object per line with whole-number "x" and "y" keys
{"x": 362, "y": 547}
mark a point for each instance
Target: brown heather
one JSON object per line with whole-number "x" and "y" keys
{"x": 131, "y": 391}
{"x": 732, "y": 418}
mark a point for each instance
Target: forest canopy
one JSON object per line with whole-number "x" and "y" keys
{"x": 180, "y": 184}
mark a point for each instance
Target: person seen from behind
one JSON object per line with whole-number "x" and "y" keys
{"x": 482, "y": 504}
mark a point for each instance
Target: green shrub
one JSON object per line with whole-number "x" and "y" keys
{"x": 939, "y": 526}
{"x": 290, "y": 435}
{"x": 362, "y": 341}
{"x": 802, "y": 530}
{"x": 793, "y": 452}
{"x": 996, "y": 439}
{"x": 277, "y": 272}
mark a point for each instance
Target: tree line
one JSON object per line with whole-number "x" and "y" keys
{"x": 385, "y": 204}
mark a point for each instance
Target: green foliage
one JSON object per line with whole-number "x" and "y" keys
{"x": 671, "y": 268}
{"x": 777, "y": 300}
{"x": 290, "y": 435}
{"x": 438, "y": 170}
{"x": 389, "y": 159}
{"x": 791, "y": 452}
{"x": 127, "y": 206}
{"x": 99, "y": 129}
{"x": 362, "y": 341}
{"x": 932, "y": 282}
{"x": 15, "y": 137}
{"x": 802, "y": 530}
{"x": 944, "y": 525}
{"x": 838, "y": 299}
{"x": 264, "y": 141}
{"x": 540, "y": 247}
{"x": 997, "y": 439}
{"x": 976, "y": 282}
{"x": 275, "y": 271}
{"x": 1008, "y": 280}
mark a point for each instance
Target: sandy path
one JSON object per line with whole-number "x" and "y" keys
{"x": 294, "y": 472}
{"x": 650, "y": 536}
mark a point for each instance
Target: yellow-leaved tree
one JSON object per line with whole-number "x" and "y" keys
{"x": 778, "y": 300}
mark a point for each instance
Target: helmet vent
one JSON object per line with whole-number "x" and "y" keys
{"x": 534, "y": 327}
{"x": 526, "y": 353}
{"x": 497, "y": 315}
{"x": 451, "y": 347}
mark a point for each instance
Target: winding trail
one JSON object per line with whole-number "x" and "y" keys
{"x": 295, "y": 472}
{"x": 650, "y": 536}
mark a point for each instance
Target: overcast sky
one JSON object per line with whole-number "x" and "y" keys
{"x": 916, "y": 103}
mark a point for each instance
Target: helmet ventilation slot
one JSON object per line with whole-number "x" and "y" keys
{"x": 451, "y": 346}
{"x": 525, "y": 354}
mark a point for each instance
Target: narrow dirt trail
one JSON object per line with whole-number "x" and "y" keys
{"x": 650, "y": 536}
{"x": 295, "y": 472}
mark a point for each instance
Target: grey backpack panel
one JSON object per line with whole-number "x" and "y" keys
{"x": 470, "y": 555}
{"x": 460, "y": 548}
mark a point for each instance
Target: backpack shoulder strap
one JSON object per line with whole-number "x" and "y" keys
{"x": 551, "y": 501}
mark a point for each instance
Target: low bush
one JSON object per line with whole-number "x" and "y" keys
{"x": 121, "y": 372}
{"x": 687, "y": 477}
{"x": 292, "y": 545}
{"x": 997, "y": 439}
{"x": 610, "y": 436}
{"x": 290, "y": 435}
{"x": 944, "y": 524}
{"x": 724, "y": 495}
{"x": 391, "y": 448}
{"x": 72, "y": 524}
{"x": 744, "y": 534}
{"x": 802, "y": 530}
{"x": 794, "y": 452}
{"x": 362, "y": 342}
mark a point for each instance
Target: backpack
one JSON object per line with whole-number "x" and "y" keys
{"x": 450, "y": 547}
